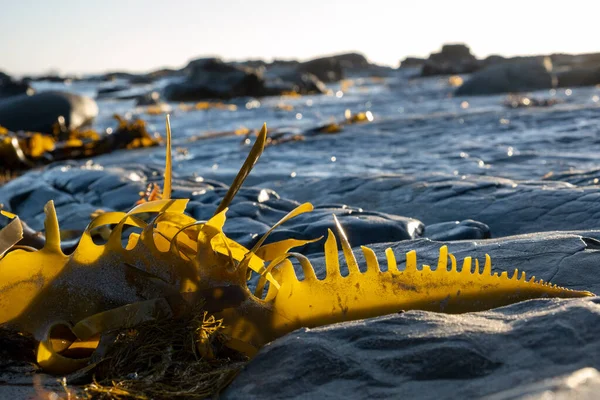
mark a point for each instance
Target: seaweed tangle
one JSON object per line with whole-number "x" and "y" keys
{"x": 158, "y": 262}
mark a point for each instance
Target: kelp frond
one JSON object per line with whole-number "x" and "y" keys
{"x": 174, "y": 263}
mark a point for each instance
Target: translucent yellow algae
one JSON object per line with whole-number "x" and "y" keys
{"x": 68, "y": 301}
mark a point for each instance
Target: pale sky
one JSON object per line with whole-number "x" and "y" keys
{"x": 87, "y": 36}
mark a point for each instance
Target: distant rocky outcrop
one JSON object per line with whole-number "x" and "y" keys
{"x": 212, "y": 78}
{"x": 39, "y": 112}
{"x": 11, "y": 87}
{"x": 510, "y": 77}
{"x": 412, "y": 62}
{"x": 577, "y": 70}
{"x": 522, "y": 71}
{"x": 327, "y": 69}
{"x": 451, "y": 60}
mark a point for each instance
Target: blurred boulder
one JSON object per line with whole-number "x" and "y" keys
{"x": 11, "y": 87}
{"x": 211, "y": 78}
{"x": 412, "y": 62}
{"x": 327, "y": 69}
{"x": 574, "y": 77}
{"x": 285, "y": 77}
{"x": 39, "y": 112}
{"x": 510, "y": 77}
{"x": 451, "y": 60}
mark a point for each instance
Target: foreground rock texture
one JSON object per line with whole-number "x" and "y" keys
{"x": 78, "y": 192}
{"x": 507, "y": 206}
{"x": 432, "y": 356}
{"x": 509, "y": 352}
{"x": 38, "y": 113}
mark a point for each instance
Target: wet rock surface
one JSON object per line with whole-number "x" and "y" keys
{"x": 528, "y": 348}
{"x": 433, "y": 356}
{"x": 430, "y": 169}
{"x": 78, "y": 192}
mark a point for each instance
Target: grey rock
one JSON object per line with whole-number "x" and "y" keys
{"x": 509, "y": 352}
{"x": 11, "y": 87}
{"x": 211, "y": 78}
{"x": 327, "y": 69}
{"x": 38, "y": 113}
{"x": 412, "y": 62}
{"x": 428, "y": 356}
{"x": 283, "y": 78}
{"x": 510, "y": 77}
{"x": 77, "y": 192}
{"x": 452, "y": 59}
{"x": 508, "y": 207}
{"x": 575, "y": 77}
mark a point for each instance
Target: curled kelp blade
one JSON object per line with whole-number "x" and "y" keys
{"x": 11, "y": 234}
{"x": 253, "y": 156}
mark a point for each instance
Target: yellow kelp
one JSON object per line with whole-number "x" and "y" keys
{"x": 68, "y": 301}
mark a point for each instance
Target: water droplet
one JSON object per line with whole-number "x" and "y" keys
{"x": 568, "y": 92}
{"x": 333, "y": 159}
{"x": 263, "y": 196}
{"x": 252, "y": 104}
{"x": 293, "y": 174}
{"x": 134, "y": 177}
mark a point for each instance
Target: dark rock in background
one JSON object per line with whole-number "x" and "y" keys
{"x": 38, "y": 113}
{"x": 576, "y": 77}
{"x": 211, "y": 78}
{"x": 453, "y": 59}
{"x": 510, "y": 77}
{"x": 412, "y": 62}
{"x": 327, "y": 69}
{"x": 10, "y": 87}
